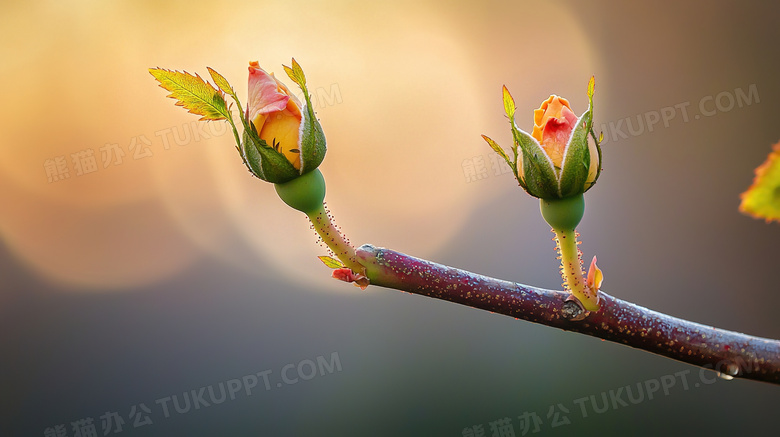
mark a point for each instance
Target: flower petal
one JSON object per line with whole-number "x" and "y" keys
{"x": 595, "y": 276}
{"x": 347, "y": 275}
{"x": 264, "y": 92}
{"x": 294, "y": 105}
{"x": 554, "y": 122}
{"x": 553, "y": 107}
{"x": 280, "y": 131}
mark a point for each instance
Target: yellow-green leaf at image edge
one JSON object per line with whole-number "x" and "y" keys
{"x": 762, "y": 199}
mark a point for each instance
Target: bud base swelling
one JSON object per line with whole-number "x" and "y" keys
{"x": 563, "y": 213}
{"x": 304, "y": 193}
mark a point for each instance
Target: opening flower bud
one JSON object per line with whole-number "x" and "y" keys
{"x": 554, "y": 122}
{"x": 282, "y": 137}
{"x": 557, "y": 160}
{"x": 275, "y": 113}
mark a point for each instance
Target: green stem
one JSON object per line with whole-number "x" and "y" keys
{"x": 333, "y": 237}
{"x": 571, "y": 269}
{"x": 238, "y": 139}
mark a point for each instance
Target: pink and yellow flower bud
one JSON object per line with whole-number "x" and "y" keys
{"x": 557, "y": 160}
{"x": 554, "y": 122}
{"x": 557, "y": 163}
{"x": 283, "y": 139}
{"x": 275, "y": 113}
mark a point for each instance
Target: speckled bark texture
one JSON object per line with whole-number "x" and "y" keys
{"x": 731, "y": 353}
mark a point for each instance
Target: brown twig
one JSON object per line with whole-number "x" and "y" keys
{"x": 730, "y": 353}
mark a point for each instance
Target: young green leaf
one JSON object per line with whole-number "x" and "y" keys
{"x": 509, "y": 103}
{"x": 221, "y": 82}
{"x": 762, "y": 199}
{"x": 494, "y": 145}
{"x": 296, "y": 74}
{"x": 192, "y": 93}
{"x": 591, "y": 86}
{"x": 332, "y": 263}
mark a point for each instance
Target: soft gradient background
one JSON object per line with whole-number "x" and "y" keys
{"x": 163, "y": 274}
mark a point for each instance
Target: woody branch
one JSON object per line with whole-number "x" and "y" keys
{"x": 731, "y": 353}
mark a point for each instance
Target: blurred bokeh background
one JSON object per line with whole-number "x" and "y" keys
{"x": 139, "y": 260}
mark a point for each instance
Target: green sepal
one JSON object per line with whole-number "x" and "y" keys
{"x": 538, "y": 171}
{"x": 576, "y": 159}
{"x": 312, "y": 138}
{"x": 591, "y": 87}
{"x": 263, "y": 161}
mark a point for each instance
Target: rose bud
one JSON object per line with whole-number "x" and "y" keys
{"x": 283, "y": 139}
{"x": 556, "y": 161}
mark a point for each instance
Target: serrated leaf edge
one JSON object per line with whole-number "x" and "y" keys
{"x": 216, "y": 93}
